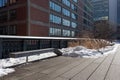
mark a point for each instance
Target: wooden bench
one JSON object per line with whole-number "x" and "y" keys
{"x": 34, "y": 52}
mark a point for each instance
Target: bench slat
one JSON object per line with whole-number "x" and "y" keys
{"x": 29, "y": 53}
{"x": 34, "y": 52}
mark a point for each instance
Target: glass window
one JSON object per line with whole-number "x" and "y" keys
{"x": 0, "y": 17}
{"x": 74, "y": 16}
{"x": 55, "y": 19}
{"x": 51, "y": 31}
{"x": 8, "y": 30}
{"x": 85, "y": 21}
{"x": 13, "y": 14}
{"x": 3, "y": 30}
{"x": 12, "y": 30}
{"x": 3, "y": 16}
{"x": 0, "y": 3}
{"x": 74, "y": 7}
{"x": 13, "y": 1}
{"x": 66, "y": 2}
{"x": 73, "y": 33}
{"x": 66, "y": 22}
{"x": 75, "y": 1}
{"x": 55, "y": 32}
{"x": 55, "y": 6}
{"x": 74, "y": 25}
{"x": 66, "y": 32}
{"x": 3, "y": 3}
{"x": 65, "y": 12}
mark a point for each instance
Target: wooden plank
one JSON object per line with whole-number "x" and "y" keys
{"x": 36, "y": 67}
{"x": 34, "y": 76}
{"x": 84, "y": 75}
{"x": 67, "y": 68}
{"x": 59, "y": 78}
{"x": 17, "y": 74}
{"x": 50, "y": 70}
{"x": 37, "y": 72}
{"x": 98, "y": 61}
{"x": 101, "y": 71}
{"x": 60, "y": 71}
{"x": 116, "y": 60}
{"x": 44, "y": 62}
{"x": 48, "y": 65}
{"x": 113, "y": 73}
{"x": 71, "y": 73}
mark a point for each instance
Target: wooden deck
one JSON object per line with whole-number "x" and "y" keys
{"x": 67, "y": 68}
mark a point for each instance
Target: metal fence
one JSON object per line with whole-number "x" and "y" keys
{"x": 10, "y": 44}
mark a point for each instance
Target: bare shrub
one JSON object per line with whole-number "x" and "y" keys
{"x": 104, "y": 30}
{"x": 101, "y": 36}
{"x": 90, "y": 43}
{"x": 73, "y": 43}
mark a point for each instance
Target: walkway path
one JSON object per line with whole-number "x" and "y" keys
{"x": 67, "y": 68}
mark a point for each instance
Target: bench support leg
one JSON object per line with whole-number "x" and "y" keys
{"x": 26, "y": 59}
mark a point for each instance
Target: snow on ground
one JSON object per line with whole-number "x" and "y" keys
{"x": 81, "y": 51}
{"x": 4, "y": 63}
{"x": 6, "y": 71}
{"x": 78, "y": 51}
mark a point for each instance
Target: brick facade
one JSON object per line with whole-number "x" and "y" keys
{"x": 32, "y": 17}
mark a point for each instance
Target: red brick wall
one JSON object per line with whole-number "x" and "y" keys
{"x": 21, "y": 13}
{"x": 37, "y": 30}
{"x": 22, "y": 29}
{"x": 22, "y": 16}
{"x": 22, "y": 1}
{"x": 80, "y": 12}
{"x": 39, "y": 15}
{"x": 42, "y": 3}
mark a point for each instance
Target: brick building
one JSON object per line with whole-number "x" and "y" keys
{"x": 64, "y": 18}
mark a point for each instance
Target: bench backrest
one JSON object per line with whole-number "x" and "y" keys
{"x": 30, "y": 53}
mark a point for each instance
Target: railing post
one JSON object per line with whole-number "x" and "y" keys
{"x": 51, "y": 43}
{"x": 67, "y": 43}
{"x": 40, "y": 45}
{"x": 1, "y": 49}
{"x": 60, "y": 44}
{"x": 24, "y": 45}
{"x": 64, "y": 43}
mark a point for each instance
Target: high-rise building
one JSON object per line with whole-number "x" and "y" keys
{"x": 107, "y": 10}
{"x": 114, "y": 15}
{"x": 43, "y": 17}
{"x": 87, "y": 15}
{"x": 118, "y": 19}
{"x": 100, "y": 9}
{"x": 118, "y": 12}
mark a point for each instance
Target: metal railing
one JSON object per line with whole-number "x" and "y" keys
{"x": 9, "y": 44}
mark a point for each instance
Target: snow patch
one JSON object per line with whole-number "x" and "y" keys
{"x": 81, "y": 51}
{"x": 4, "y": 63}
{"x": 6, "y": 71}
{"x": 78, "y": 51}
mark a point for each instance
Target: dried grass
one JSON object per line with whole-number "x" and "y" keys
{"x": 90, "y": 43}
